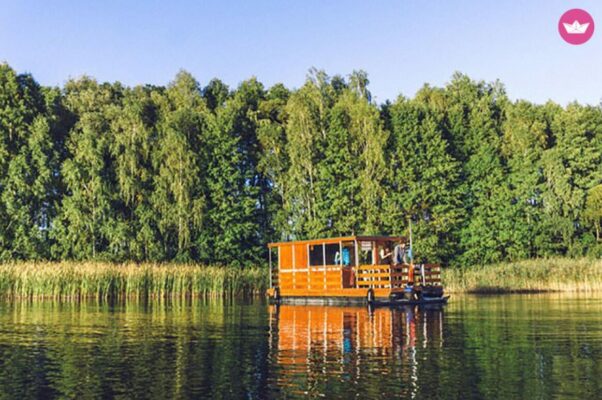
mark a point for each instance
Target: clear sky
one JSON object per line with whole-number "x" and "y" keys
{"x": 401, "y": 44}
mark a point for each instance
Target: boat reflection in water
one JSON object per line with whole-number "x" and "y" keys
{"x": 342, "y": 350}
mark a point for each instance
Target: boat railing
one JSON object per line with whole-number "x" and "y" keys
{"x": 373, "y": 276}
{"x": 274, "y": 276}
{"x": 397, "y": 276}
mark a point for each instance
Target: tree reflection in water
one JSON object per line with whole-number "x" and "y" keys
{"x": 492, "y": 347}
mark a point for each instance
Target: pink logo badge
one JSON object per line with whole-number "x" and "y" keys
{"x": 576, "y": 26}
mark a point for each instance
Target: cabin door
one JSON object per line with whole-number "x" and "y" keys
{"x": 348, "y": 262}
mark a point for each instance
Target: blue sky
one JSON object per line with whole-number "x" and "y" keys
{"x": 401, "y": 44}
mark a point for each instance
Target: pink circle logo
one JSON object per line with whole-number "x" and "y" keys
{"x": 576, "y": 26}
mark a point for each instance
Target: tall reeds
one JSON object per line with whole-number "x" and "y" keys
{"x": 536, "y": 275}
{"x": 105, "y": 280}
{"x": 79, "y": 280}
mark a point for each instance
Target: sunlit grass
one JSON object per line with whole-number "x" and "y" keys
{"x": 552, "y": 274}
{"x": 105, "y": 280}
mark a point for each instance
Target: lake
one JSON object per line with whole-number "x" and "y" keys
{"x": 495, "y": 347}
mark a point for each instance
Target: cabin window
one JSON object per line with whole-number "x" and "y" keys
{"x": 366, "y": 253}
{"x": 316, "y": 255}
{"x": 332, "y": 250}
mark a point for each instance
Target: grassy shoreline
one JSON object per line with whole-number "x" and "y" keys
{"x": 535, "y": 275}
{"x": 77, "y": 280}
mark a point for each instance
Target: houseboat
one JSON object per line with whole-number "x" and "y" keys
{"x": 377, "y": 270}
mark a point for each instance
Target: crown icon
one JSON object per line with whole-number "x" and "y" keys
{"x": 576, "y": 27}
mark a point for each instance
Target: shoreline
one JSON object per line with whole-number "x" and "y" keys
{"x": 102, "y": 280}
{"x": 556, "y": 274}
{"x": 88, "y": 280}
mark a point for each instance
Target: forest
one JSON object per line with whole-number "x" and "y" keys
{"x": 205, "y": 173}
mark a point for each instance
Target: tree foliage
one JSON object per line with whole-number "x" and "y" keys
{"x": 210, "y": 174}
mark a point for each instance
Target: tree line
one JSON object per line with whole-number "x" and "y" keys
{"x": 210, "y": 174}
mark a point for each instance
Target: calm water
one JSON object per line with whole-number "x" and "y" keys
{"x": 531, "y": 347}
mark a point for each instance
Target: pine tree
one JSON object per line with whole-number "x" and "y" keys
{"x": 525, "y": 137}
{"x": 571, "y": 168}
{"x": 423, "y": 178}
{"x": 487, "y": 235}
{"x": 274, "y": 161}
{"x": 236, "y": 189}
{"x": 339, "y": 208}
{"x": 474, "y": 116}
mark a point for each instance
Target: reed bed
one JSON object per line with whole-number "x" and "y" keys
{"x": 78, "y": 280}
{"x": 110, "y": 281}
{"x": 536, "y": 275}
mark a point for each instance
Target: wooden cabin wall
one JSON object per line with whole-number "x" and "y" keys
{"x": 301, "y": 256}
{"x": 286, "y": 256}
{"x": 286, "y": 263}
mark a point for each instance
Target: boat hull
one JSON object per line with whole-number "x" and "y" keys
{"x": 407, "y": 302}
{"x": 377, "y": 302}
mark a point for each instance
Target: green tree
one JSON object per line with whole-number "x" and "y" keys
{"x": 88, "y": 223}
{"x": 306, "y": 130}
{"x": 571, "y": 168}
{"x": 182, "y": 173}
{"x": 593, "y": 208}
{"x": 423, "y": 178}
{"x": 26, "y": 170}
{"x": 352, "y": 164}
{"x": 28, "y": 195}
{"x": 179, "y": 162}
{"x": 525, "y": 138}
{"x": 237, "y": 190}
{"x": 215, "y": 94}
{"x": 134, "y": 141}
{"x": 274, "y": 161}
{"x": 474, "y": 117}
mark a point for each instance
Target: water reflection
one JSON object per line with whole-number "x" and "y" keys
{"x": 493, "y": 347}
{"x": 158, "y": 350}
{"x": 320, "y": 350}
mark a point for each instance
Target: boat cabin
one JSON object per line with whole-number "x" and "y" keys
{"x": 349, "y": 269}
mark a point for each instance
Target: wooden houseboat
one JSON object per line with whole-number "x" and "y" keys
{"x": 353, "y": 269}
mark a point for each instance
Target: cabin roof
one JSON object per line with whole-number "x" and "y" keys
{"x": 340, "y": 239}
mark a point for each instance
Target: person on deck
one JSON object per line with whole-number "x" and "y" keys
{"x": 344, "y": 258}
{"x": 385, "y": 253}
{"x": 400, "y": 254}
